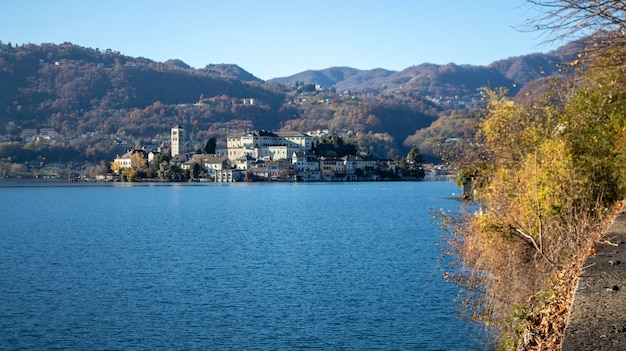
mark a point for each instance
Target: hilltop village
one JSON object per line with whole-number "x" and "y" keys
{"x": 261, "y": 155}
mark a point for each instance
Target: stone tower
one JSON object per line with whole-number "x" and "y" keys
{"x": 177, "y": 140}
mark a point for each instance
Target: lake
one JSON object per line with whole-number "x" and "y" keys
{"x": 253, "y": 266}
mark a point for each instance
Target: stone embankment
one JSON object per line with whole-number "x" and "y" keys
{"x": 597, "y": 318}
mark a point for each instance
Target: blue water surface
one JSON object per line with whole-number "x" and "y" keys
{"x": 329, "y": 266}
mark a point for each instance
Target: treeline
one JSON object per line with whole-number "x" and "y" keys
{"x": 78, "y": 151}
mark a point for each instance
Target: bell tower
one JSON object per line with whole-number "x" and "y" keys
{"x": 177, "y": 140}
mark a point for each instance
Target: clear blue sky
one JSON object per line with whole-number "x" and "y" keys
{"x": 278, "y": 38}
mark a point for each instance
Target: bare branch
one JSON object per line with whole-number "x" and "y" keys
{"x": 564, "y": 20}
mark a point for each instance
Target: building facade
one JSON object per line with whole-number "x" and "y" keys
{"x": 307, "y": 166}
{"x": 261, "y": 144}
{"x": 332, "y": 168}
{"x": 177, "y": 141}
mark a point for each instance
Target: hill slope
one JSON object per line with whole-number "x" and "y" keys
{"x": 443, "y": 82}
{"x": 78, "y": 90}
{"x": 47, "y": 79}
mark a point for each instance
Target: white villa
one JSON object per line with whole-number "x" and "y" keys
{"x": 261, "y": 144}
{"x": 125, "y": 160}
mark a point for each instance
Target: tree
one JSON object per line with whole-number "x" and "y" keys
{"x": 359, "y": 173}
{"x": 210, "y": 146}
{"x": 164, "y": 171}
{"x": 129, "y": 174}
{"x": 544, "y": 174}
{"x": 415, "y": 157}
{"x": 194, "y": 170}
{"x": 412, "y": 165}
{"x": 115, "y": 167}
{"x": 139, "y": 165}
{"x": 104, "y": 167}
{"x": 158, "y": 159}
{"x": 562, "y": 20}
{"x": 349, "y": 149}
{"x": 177, "y": 174}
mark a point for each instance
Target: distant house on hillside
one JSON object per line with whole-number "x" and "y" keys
{"x": 28, "y": 134}
{"x": 48, "y": 133}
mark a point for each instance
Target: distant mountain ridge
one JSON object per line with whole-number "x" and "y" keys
{"x": 232, "y": 71}
{"x": 335, "y": 77}
{"x": 442, "y": 80}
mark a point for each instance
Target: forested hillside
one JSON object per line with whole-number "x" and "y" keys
{"x": 451, "y": 81}
{"x": 77, "y": 91}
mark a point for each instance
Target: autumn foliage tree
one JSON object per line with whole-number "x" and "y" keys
{"x": 547, "y": 172}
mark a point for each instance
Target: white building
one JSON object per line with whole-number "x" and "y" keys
{"x": 245, "y": 162}
{"x": 126, "y": 160}
{"x": 177, "y": 141}
{"x": 305, "y": 141}
{"x": 214, "y": 164}
{"x": 307, "y": 166}
{"x": 352, "y": 163}
{"x": 261, "y": 144}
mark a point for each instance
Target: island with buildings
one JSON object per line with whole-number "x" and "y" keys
{"x": 260, "y": 155}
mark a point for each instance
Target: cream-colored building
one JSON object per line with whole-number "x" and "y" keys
{"x": 332, "y": 168}
{"x": 126, "y": 160}
{"x": 304, "y": 140}
{"x": 264, "y": 145}
{"x": 123, "y": 161}
{"x": 177, "y": 141}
